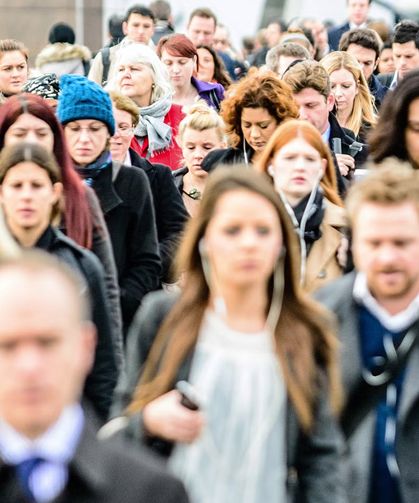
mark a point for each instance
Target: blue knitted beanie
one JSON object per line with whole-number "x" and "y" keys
{"x": 81, "y": 98}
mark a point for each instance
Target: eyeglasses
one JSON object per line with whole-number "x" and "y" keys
{"x": 92, "y": 130}
{"x": 124, "y": 131}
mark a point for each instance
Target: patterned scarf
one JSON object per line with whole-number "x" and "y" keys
{"x": 90, "y": 172}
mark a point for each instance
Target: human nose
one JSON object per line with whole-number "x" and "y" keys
{"x": 387, "y": 254}
{"x": 303, "y": 114}
{"x": 28, "y": 361}
{"x": 254, "y": 132}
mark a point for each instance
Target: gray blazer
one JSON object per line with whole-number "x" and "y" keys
{"x": 312, "y": 460}
{"x": 337, "y": 296}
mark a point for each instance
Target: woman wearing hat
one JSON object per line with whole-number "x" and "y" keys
{"x": 85, "y": 111}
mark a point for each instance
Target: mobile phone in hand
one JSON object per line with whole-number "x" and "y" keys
{"x": 190, "y": 398}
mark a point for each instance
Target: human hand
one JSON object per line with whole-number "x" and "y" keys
{"x": 166, "y": 418}
{"x": 346, "y": 164}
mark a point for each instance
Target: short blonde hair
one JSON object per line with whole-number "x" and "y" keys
{"x": 201, "y": 117}
{"x": 122, "y": 102}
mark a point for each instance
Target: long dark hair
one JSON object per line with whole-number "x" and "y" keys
{"x": 220, "y": 73}
{"x": 388, "y": 137}
{"x": 77, "y": 217}
{"x": 304, "y": 342}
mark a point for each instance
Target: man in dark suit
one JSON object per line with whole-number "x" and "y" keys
{"x": 405, "y": 47}
{"x": 48, "y": 446}
{"x": 310, "y": 84}
{"x": 357, "y": 18}
{"x": 377, "y": 310}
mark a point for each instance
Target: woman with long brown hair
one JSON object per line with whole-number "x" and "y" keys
{"x": 257, "y": 352}
{"x": 304, "y": 176}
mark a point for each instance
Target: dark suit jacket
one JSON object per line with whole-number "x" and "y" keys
{"x": 338, "y": 297}
{"x": 334, "y": 35}
{"x": 105, "y": 472}
{"x": 312, "y": 458}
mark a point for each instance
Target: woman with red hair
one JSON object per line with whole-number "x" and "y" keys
{"x": 180, "y": 57}
{"x": 303, "y": 174}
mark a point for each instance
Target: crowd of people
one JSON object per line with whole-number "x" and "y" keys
{"x": 209, "y": 263}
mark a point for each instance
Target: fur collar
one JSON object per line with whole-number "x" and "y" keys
{"x": 62, "y": 52}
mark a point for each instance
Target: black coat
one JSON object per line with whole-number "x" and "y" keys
{"x": 126, "y": 201}
{"x": 312, "y": 459}
{"x": 105, "y": 472}
{"x": 169, "y": 209}
{"x": 377, "y": 89}
{"x": 231, "y": 155}
{"x": 102, "y": 379}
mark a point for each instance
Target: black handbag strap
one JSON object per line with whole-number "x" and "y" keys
{"x": 372, "y": 385}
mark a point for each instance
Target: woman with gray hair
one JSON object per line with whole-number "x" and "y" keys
{"x": 140, "y": 75}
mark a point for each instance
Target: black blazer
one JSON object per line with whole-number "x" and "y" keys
{"x": 170, "y": 211}
{"x": 102, "y": 379}
{"x": 127, "y": 204}
{"x": 105, "y": 472}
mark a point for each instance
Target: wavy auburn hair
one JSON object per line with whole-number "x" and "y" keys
{"x": 77, "y": 219}
{"x": 291, "y": 130}
{"x": 257, "y": 90}
{"x": 305, "y": 346}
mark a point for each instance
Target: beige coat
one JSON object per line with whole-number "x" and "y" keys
{"x": 322, "y": 265}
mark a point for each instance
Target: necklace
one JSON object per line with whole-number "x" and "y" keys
{"x": 194, "y": 194}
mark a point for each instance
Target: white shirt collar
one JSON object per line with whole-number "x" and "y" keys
{"x": 394, "y": 323}
{"x": 127, "y": 161}
{"x": 57, "y": 444}
{"x": 326, "y": 134}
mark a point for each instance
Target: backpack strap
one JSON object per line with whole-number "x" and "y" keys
{"x": 106, "y": 62}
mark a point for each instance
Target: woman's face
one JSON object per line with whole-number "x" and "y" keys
{"x": 196, "y": 145}
{"x": 86, "y": 140}
{"x": 297, "y": 168}
{"x": 135, "y": 80}
{"x": 344, "y": 88}
{"x": 29, "y": 128}
{"x": 27, "y": 196}
{"x": 243, "y": 240}
{"x": 13, "y": 72}
{"x": 386, "y": 63}
{"x": 206, "y": 65}
{"x": 412, "y": 131}
{"x": 124, "y": 132}
{"x": 258, "y": 126}
{"x": 179, "y": 68}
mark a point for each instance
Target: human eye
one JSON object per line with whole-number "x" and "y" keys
{"x": 74, "y": 128}
{"x": 246, "y": 125}
{"x": 232, "y": 230}
{"x": 263, "y": 230}
{"x": 208, "y": 146}
{"x": 95, "y": 128}
{"x": 264, "y": 125}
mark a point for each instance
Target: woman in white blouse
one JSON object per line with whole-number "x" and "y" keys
{"x": 256, "y": 351}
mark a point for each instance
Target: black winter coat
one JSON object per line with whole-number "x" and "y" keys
{"x": 169, "y": 209}
{"x": 127, "y": 204}
{"x": 102, "y": 379}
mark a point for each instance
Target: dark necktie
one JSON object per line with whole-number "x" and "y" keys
{"x": 24, "y": 471}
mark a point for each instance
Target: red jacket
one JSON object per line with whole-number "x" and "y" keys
{"x": 172, "y": 155}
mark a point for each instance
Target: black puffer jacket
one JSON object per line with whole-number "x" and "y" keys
{"x": 103, "y": 377}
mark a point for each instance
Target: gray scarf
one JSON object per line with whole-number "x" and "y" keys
{"x": 152, "y": 125}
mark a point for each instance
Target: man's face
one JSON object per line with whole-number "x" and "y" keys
{"x": 406, "y": 57}
{"x": 358, "y": 11}
{"x": 314, "y": 107}
{"x": 386, "y": 249}
{"x": 365, "y": 57}
{"x": 273, "y": 34}
{"x": 201, "y": 30}
{"x": 221, "y": 39}
{"x": 45, "y": 350}
{"x": 138, "y": 28}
